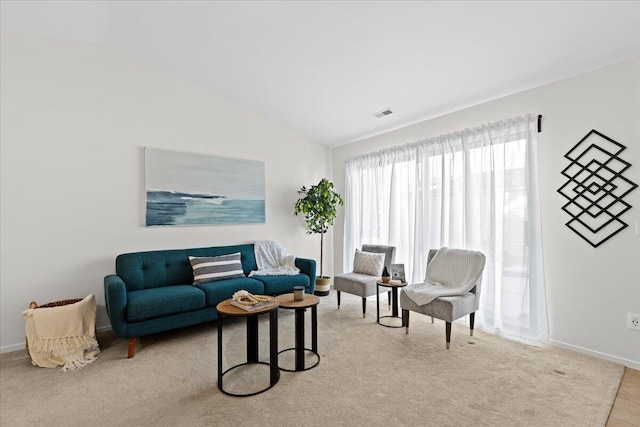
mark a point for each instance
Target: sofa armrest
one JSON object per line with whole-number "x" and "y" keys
{"x": 115, "y": 296}
{"x": 308, "y": 266}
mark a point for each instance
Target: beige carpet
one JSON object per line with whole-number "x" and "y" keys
{"x": 368, "y": 375}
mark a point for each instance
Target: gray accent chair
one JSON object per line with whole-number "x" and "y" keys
{"x": 364, "y": 285}
{"x": 448, "y": 309}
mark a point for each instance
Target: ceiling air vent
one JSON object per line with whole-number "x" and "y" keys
{"x": 383, "y": 113}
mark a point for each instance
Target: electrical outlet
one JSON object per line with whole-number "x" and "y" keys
{"x": 633, "y": 321}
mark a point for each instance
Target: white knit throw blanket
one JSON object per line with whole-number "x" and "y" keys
{"x": 63, "y": 335}
{"x": 273, "y": 259}
{"x": 451, "y": 272}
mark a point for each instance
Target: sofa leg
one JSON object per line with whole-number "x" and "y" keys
{"x": 364, "y": 307}
{"x": 338, "y": 292}
{"x": 132, "y": 347}
{"x": 448, "y": 332}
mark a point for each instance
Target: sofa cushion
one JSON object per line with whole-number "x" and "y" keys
{"x": 210, "y": 269}
{"x": 157, "y": 302}
{"x": 276, "y": 285}
{"x": 223, "y": 289}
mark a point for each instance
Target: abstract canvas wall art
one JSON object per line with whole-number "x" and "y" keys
{"x": 193, "y": 189}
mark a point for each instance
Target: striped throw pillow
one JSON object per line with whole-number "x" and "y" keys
{"x": 210, "y": 269}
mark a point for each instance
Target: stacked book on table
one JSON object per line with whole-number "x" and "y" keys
{"x": 253, "y": 307}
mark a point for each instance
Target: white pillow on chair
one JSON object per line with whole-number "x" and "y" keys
{"x": 370, "y": 263}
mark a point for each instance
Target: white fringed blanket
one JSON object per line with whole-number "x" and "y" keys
{"x": 63, "y": 335}
{"x": 451, "y": 272}
{"x": 273, "y": 259}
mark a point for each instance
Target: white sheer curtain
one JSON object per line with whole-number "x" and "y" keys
{"x": 475, "y": 189}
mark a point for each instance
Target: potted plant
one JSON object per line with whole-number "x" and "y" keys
{"x": 318, "y": 205}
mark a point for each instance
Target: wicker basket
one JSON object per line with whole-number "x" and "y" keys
{"x": 60, "y": 303}
{"x": 55, "y": 303}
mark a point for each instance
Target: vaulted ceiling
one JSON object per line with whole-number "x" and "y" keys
{"x": 324, "y": 68}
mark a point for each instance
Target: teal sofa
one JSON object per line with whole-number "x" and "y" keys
{"x": 153, "y": 291}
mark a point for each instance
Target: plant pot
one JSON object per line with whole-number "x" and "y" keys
{"x": 323, "y": 285}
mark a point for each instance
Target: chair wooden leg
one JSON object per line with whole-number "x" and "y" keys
{"x": 364, "y": 307}
{"x": 472, "y": 318}
{"x": 448, "y": 334}
{"x": 132, "y": 347}
{"x": 431, "y": 319}
{"x": 405, "y": 320}
{"x": 338, "y": 292}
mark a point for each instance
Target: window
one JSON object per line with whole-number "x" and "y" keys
{"x": 474, "y": 189}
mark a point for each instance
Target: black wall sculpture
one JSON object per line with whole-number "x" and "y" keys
{"x": 595, "y": 188}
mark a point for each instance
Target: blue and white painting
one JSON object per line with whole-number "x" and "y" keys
{"x": 194, "y": 189}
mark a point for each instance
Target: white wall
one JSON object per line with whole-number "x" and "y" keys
{"x": 74, "y": 120}
{"x": 589, "y": 291}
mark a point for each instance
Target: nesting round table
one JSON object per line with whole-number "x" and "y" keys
{"x": 225, "y": 309}
{"x": 287, "y": 301}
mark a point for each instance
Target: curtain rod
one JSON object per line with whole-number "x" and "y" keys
{"x": 528, "y": 117}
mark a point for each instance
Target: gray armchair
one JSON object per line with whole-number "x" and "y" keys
{"x": 459, "y": 267}
{"x": 364, "y": 285}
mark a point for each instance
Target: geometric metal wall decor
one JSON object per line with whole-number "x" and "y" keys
{"x": 595, "y": 188}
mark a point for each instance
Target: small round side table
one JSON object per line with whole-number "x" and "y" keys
{"x": 286, "y": 301}
{"x": 394, "y": 285}
{"x": 226, "y": 309}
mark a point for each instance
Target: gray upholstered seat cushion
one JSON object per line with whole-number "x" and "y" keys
{"x": 359, "y": 284}
{"x": 445, "y": 308}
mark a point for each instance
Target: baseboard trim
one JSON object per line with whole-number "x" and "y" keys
{"x": 22, "y": 345}
{"x": 13, "y": 347}
{"x": 626, "y": 362}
